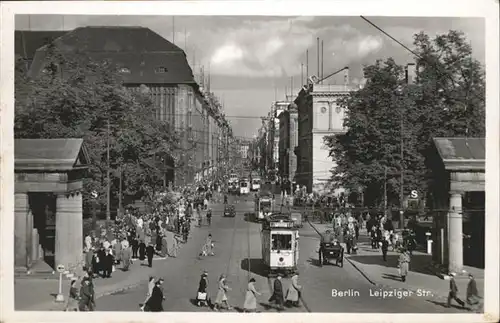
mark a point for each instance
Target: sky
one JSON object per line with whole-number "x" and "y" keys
{"x": 254, "y": 60}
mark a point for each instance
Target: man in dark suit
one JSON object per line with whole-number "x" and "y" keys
{"x": 454, "y": 292}
{"x": 473, "y": 298}
{"x": 107, "y": 263}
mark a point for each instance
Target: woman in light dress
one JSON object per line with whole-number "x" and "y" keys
{"x": 404, "y": 264}
{"x": 250, "y": 304}
{"x": 293, "y": 294}
{"x": 151, "y": 285}
{"x": 221, "y": 298}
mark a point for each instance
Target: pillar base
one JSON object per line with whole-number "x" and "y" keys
{"x": 60, "y": 298}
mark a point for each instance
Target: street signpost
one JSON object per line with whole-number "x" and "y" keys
{"x": 60, "y": 296}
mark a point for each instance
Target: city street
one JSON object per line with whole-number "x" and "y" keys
{"x": 363, "y": 136}
{"x": 237, "y": 240}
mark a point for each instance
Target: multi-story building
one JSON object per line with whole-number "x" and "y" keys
{"x": 157, "y": 67}
{"x": 273, "y": 137}
{"x": 262, "y": 144}
{"x": 243, "y": 148}
{"x": 319, "y": 115}
{"x": 288, "y": 142}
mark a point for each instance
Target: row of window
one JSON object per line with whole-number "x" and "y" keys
{"x": 123, "y": 70}
{"x": 158, "y": 70}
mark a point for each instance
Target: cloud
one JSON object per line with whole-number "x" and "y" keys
{"x": 270, "y": 48}
{"x": 227, "y": 54}
{"x": 368, "y": 45}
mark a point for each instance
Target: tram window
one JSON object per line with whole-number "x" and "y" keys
{"x": 281, "y": 242}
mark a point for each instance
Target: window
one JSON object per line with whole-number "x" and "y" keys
{"x": 124, "y": 70}
{"x": 281, "y": 242}
{"x": 161, "y": 69}
{"x": 265, "y": 206}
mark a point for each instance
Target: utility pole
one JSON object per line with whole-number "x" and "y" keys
{"x": 185, "y": 40}
{"x": 317, "y": 50}
{"x": 173, "y": 30}
{"x": 120, "y": 197}
{"x": 401, "y": 189}
{"x": 307, "y": 66}
{"x": 165, "y": 174}
{"x": 108, "y": 182}
{"x": 322, "y": 59}
{"x": 302, "y": 74}
{"x": 385, "y": 191}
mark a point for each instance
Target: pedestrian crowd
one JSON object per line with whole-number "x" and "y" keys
{"x": 221, "y": 302}
{"x": 136, "y": 236}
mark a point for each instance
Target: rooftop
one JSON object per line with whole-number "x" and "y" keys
{"x": 26, "y": 42}
{"x": 461, "y": 152}
{"x": 144, "y": 56}
{"x": 50, "y": 154}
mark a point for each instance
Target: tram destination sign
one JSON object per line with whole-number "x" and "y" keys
{"x": 281, "y": 224}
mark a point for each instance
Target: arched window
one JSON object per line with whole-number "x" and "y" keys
{"x": 124, "y": 70}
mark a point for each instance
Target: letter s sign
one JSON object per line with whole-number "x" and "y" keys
{"x": 414, "y": 194}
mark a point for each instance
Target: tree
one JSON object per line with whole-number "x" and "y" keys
{"x": 77, "y": 97}
{"x": 446, "y": 100}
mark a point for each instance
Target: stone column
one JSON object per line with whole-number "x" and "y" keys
{"x": 455, "y": 241}
{"x": 29, "y": 238}
{"x": 77, "y": 234}
{"x": 35, "y": 256}
{"x": 21, "y": 208}
{"x": 68, "y": 245}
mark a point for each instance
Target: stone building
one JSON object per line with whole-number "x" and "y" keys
{"x": 150, "y": 63}
{"x": 288, "y": 142}
{"x": 457, "y": 202}
{"x": 48, "y": 203}
{"x": 319, "y": 115}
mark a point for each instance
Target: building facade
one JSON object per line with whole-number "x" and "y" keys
{"x": 156, "y": 67}
{"x": 273, "y": 131}
{"x": 319, "y": 115}
{"x": 288, "y": 142}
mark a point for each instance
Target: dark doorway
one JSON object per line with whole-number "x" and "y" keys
{"x": 474, "y": 229}
{"x": 43, "y": 208}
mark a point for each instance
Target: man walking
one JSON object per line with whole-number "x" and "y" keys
{"x": 385, "y": 247}
{"x": 454, "y": 292}
{"x": 473, "y": 298}
{"x": 150, "y": 250}
{"x": 277, "y": 296}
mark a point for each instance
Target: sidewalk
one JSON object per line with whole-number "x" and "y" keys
{"x": 38, "y": 294}
{"x": 421, "y": 279}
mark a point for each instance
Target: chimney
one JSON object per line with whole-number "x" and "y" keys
{"x": 346, "y": 76}
{"x": 410, "y": 73}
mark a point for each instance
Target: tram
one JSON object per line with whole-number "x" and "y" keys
{"x": 264, "y": 205}
{"x": 280, "y": 245}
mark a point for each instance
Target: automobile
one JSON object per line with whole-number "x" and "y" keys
{"x": 229, "y": 211}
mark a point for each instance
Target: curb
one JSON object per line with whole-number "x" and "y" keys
{"x": 436, "y": 295}
{"x": 361, "y": 271}
{"x": 54, "y": 306}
